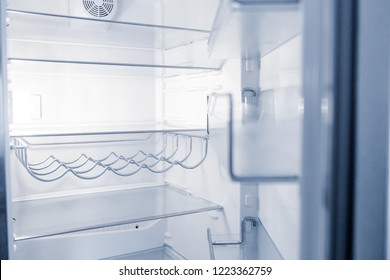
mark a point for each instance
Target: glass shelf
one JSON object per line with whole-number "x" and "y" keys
{"x": 253, "y": 27}
{"x": 88, "y": 129}
{"x": 260, "y": 246}
{"x": 42, "y": 38}
{"x": 162, "y": 253}
{"x": 51, "y": 216}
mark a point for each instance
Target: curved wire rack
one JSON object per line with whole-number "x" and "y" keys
{"x": 86, "y": 167}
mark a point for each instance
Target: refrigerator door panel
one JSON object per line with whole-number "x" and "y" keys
{"x": 371, "y": 218}
{"x": 6, "y": 243}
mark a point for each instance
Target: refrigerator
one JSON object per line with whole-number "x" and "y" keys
{"x": 192, "y": 129}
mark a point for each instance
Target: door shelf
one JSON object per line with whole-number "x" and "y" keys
{"x": 46, "y": 217}
{"x": 257, "y": 150}
{"x": 43, "y": 158}
{"x": 254, "y": 245}
{"x": 243, "y": 28}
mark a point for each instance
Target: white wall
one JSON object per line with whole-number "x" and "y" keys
{"x": 80, "y": 99}
{"x": 280, "y": 202}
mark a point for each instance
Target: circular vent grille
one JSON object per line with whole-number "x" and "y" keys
{"x": 99, "y": 8}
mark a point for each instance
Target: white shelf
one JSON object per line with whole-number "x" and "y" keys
{"x": 67, "y": 214}
{"x": 244, "y": 28}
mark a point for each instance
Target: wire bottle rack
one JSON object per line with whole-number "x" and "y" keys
{"x": 176, "y": 150}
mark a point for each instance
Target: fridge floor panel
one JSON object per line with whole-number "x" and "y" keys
{"x": 161, "y": 253}
{"x": 67, "y": 214}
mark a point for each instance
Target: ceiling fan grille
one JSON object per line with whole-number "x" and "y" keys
{"x": 100, "y": 9}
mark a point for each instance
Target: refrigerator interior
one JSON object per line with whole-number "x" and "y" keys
{"x": 131, "y": 138}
